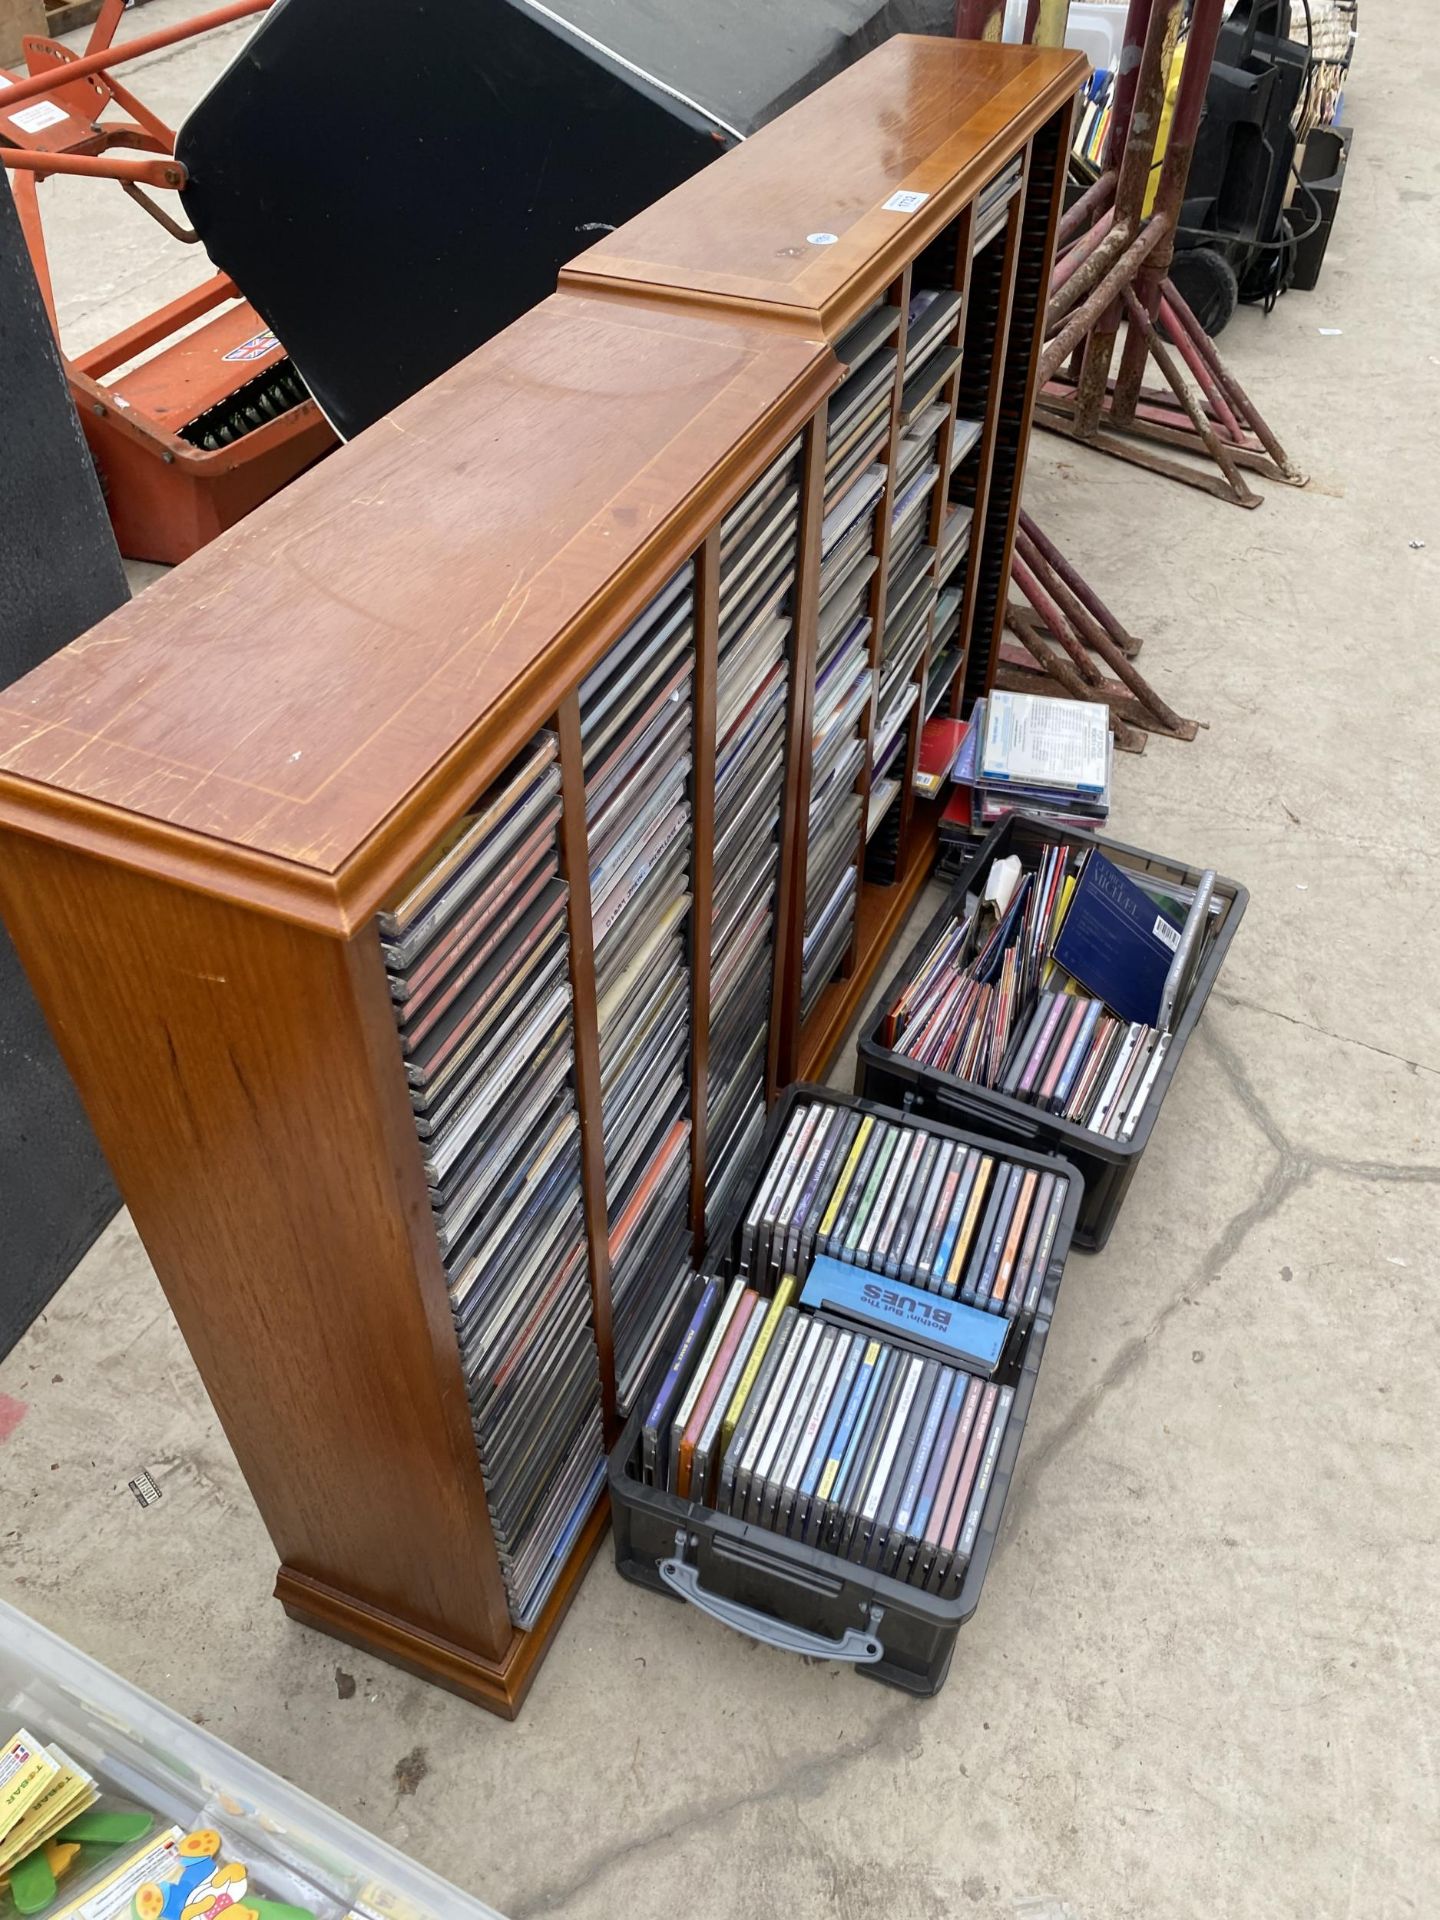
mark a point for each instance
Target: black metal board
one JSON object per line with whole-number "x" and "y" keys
{"x": 60, "y": 572}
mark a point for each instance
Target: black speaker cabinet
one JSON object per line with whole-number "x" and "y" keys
{"x": 392, "y": 184}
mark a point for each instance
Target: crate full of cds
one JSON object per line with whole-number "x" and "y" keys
{"x": 824, "y": 1461}
{"x": 1051, "y": 998}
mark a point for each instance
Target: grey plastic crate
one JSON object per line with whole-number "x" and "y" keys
{"x": 1107, "y": 1166}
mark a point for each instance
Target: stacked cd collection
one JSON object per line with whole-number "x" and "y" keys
{"x": 893, "y": 1198}
{"x": 847, "y": 1378}
{"x": 759, "y": 549}
{"x": 636, "y": 729}
{"x": 857, "y": 441}
{"x": 478, "y": 958}
{"x": 828, "y": 1435}
{"x": 1002, "y": 1012}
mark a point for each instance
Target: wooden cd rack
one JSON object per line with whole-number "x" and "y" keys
{"x": 502, "y": 757}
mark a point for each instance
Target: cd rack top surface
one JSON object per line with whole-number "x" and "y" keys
{"x": 297, "y": 713}
{"x": 842, "y": 190}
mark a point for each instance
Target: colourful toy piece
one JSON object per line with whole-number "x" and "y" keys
{"x": 60, "y": 1854}
{"x": 221, "y": 1890}
{"x": 32, "y": 1884}
{"x": 278, "y": 1910}
{"x": 149, "y": 1901}
{"x": 194, "y": 1874}
{"x": 106, "y": 1827}
{"x": 203, "y": 1843}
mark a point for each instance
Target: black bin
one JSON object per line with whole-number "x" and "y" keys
{"x": 777, "y": 1590}
{"x": 1107, "y": 1166}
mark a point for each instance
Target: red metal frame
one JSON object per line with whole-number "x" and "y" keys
{"x": 166, "y": 495}
{"x": 1207, "y": 415}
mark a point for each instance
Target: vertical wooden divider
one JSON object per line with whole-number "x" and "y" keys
{"x": 877, "y": 610}
{"x": 702, "y": 868}
{"x": 575, "y": 848}
{"x": 783, "y": 1054}
{"x": 1055, "y": 136}
{"x": 985, "y": 454}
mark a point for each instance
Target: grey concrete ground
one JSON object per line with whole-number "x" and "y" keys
{"x": 1203, "y": 1679}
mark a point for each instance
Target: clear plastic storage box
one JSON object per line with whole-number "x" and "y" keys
{"x": 146, "y": 1757}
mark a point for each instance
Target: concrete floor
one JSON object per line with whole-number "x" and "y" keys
{"x": 1203, "y": 1680}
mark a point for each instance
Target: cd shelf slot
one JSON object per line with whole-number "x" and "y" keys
{"x": 636, "y": 723}
{"x": 477, "y": 956}
{"x": 754, "y": 661}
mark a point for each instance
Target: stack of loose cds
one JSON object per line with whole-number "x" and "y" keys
{"x": 843, "y": 1441}
{"x": 998, "y": 1010}
{"x": 759, "y": 546}
{"x": 897, "y": 1199}
{"x": 636, "y": 731}
{"x": 857, "y": 441}
{"x": 477, "y": 951}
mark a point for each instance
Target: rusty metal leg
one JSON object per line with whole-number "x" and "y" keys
{"x": 1088, "y": 272}
{"x": 1135, "y": 162}
{"x": 1129, "y": 643}
{"x": 1231, "y": 387}
{"x": 1155, "y": 711}
{"x": 1052, "y": 663}
{"x": 1199, "y": 420}
{"x": 1095, "y": 200}
{"x": 1074, "y": 256}
{"x": 1045, "y": 604}
{"x": 1215, "y": 401}
{"x": 1092, "y": 313}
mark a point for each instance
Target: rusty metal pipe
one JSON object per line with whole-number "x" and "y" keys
{"x": 979, "y": 19}
{"x": 1194, "y": 82}
{"x": 1140, "y": 320}
{"x": 1141, "y": 133}
{"x": 1086, "y": 276}
{"x": 143, "y": 43}
{"x": 145, "y": 173}
{"x": 1056, "y": 624}
{"x": 1195, "y": 361}
{"x": 1073, "y": 256}
{"x": 1127, "y": 73}
{"x": 1080, "y": 587}
{"x": 1085, "y": 316}
{"x": 1114, "y": 656}
{"x": 1093, "y": 201}
{"x": 1231, "y": 387}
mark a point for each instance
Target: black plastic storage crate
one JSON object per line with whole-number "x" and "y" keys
{"x": 797, "y": 1597}
{"x": 1107, "y": 1166}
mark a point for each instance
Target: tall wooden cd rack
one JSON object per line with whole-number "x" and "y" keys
{"x": 581, "y": 695}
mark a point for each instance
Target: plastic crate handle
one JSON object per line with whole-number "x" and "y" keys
{"x": 859, "y": 1646}
{"x": 959, "y": 1113}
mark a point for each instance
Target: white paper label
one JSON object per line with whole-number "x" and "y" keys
{"x": 44, "y": 113}
{"x": 905, "y": 202}
{"x": 1170, "y": 935}
{"x": 822, "y": 239}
